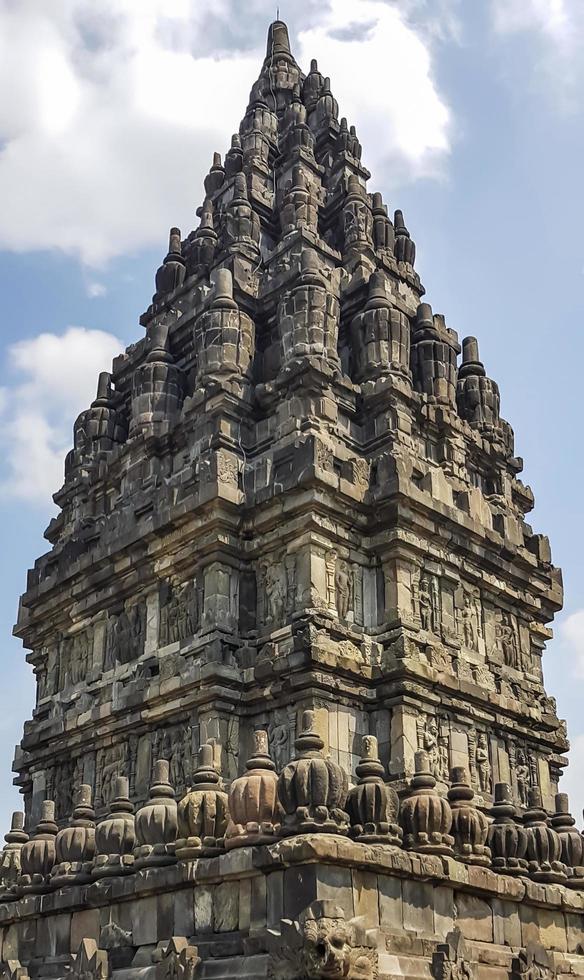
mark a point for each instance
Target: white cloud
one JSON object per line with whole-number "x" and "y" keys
{"x": 549, "y": 16}
{"x": 111, "y": 124}
{"x": 95, "y": 290}
{"x": 55, "y": 379}
{"x": 571, "y": 635}
{"x": 401, "y": 119}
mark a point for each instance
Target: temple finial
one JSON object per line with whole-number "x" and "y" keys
{"x": 278, "y": 40}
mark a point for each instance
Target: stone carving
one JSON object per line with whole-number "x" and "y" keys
{"x": 202, "y": 813}
{"x": 533, "y": 963}
{"x": 429, "y": 603}
{"x": 508, "y": 641}
{"x": 469, "y": 824}
{"x": 115, "y": 835}
{"x": 450, "y": 961}
{"x": 10, "y": 856}
{"x": 372, "y": 805}
{"x": 111, "y": 763}
{"x": 477, "y": 397}
{"x": 90, "y": 962}
{"x": 426, "y": 817}
{"x": 281, "y": 736}
{"x": 572, "y": 842}
{"x": 254, "y": 809}
{"x": 219, "y": 357}
{"x": 357, "y": 216}
{"x": 75, "y": 844}
{"x": 75, "y": 659}
{"x": 175, "y": 745}
{"x": 479, "y": 762}
{"x": 544, "y": 848}
{"x": 470, "y": 621}
{"x": 322, "y": 945}
{"x": 343, "y": 588}
{"x": 125, "y": 636}
{"x": 506, "y": 838}
{"x": 380, "y": 334}
{"x": 179, "y": 612}
{"x": 177, "y": 960}
{"x": 433, "y": 740}
{"x": 274, "y": 576}
{"x": 312, "y": 789}
{"x": 519, "y": 763}
{"x": 38, "y": 855}
{"x": 156, "y": 822}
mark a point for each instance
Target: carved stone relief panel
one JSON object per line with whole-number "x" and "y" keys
{"x": 479, "y": 761}
{"x": 62, "y": 779}
{"x": 426, "y": 597}
{"x": 179, "y": 612}
{"x": 281, "y": 735}
{"x": 434, "y": 738}
{"x": 344, "y": 589}
{"x": 469, "y": 617}
{"x": 524, "y": 771}
{"x": 277, "y": 588}
{"x": 48, "y": 672}
{"x": 175, "y": 745}
{"x": 75, "y": 659}
{"x": 125, "y": 635}
{"x": 112, "y": 761}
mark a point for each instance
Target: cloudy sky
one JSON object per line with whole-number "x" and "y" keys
{"x": 470, "y": 114}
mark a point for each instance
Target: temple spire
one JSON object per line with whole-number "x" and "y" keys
{"x": 278, "y": 44}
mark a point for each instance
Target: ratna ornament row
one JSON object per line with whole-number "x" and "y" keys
{"x": 310, "y": 795}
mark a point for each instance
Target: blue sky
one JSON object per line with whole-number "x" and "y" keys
{"x": 470, "y": 115}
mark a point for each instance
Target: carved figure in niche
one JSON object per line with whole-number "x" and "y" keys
{"x": 429, "y": 602}
{"x": 176, "y": 748}
{"x": 80, "y": 656}
{"x": 469, "y": 617}
{"x": 275, "y": 590}
{"x": 522, "y": 775}
{"x": 48, "y": 676}
{"x": 507, "y": 641}
{"x": 179, "y": 614}
{"x": 428, "y": 741}
{"x": 113, "y": 763}
{"x": 280, "y": 737}
{"x": 479, "y": 763}
{"x": 125, "y": 636}
{"x": 343, "y": 589}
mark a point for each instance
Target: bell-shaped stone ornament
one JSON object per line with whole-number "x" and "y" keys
{"x": 202, "y": 813}
{"x": 75, "y": 844}
{"x": 224, "y": 337}
{"x": 10, "y": 857}
{"x": 404, "y": 247}
{"x": 115, "y": 835}
{"x": 469, "y": 825}
{"x": 571, "y": 839}
{"x": 426, "y": 816}
{"x": 312, "y": 789}
{"x": 254, "y": 809}
{"x": 380, "y": 335}
{"x": 506, "y": 836}
{"x": 544, "y": 847}
{"x": 372, "y": 805}
{"x": 38, "y": 855}
{"x": 156, "y": 822}
{"x": 171, "y": 273}
{"x": 477, "y": 397}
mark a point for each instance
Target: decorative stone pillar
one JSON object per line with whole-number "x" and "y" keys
{"x": 157, "y": 386}
{"x": 312, "y": 789}
{"x": 202, "y": 813}
{"x": 544, "y": 848}
{"x": 434, "y": 352}
{"x": 75, "y": 844}
{"x": 308, "y": 315}
{"x": 372, "y": 805}
{"x": 426, "y": 817}
{"x": 115, "y": 835}
{"x": 571, "y": 839}
{"x": 477, "y": 397}
{"x": 506, "y": 837}
{"x": 254, "y": 809}
{"x": 469, "y": 825}
{"x": 171, "y": 273}
{"x": 38, "y": 855}
{"x": 10, "y": 857}
{"x": 156, "y": 822}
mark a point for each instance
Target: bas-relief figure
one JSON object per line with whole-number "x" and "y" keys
{"x": 343, "y": 588}
{"x": 508, "y": 641}
{"x": 125, "y": 636}
{"x": 274, "y": 576}
{"x": 479, "y": 761}
{"x": 429, "y": 603}
{"x": 434, "y": 740}
{"x": 179, "y": 613}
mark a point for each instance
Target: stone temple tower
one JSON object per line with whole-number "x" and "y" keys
{"x": 290, "y": 715}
